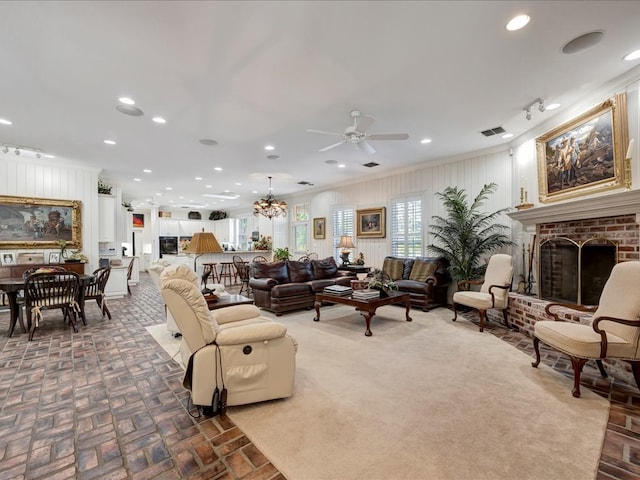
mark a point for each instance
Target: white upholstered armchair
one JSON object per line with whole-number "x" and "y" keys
{"x": 258, "y": 357}
{"x": 494, "y": 292}
{"x": 613, "y": 333}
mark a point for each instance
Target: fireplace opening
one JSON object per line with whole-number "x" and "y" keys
{"x": 575, "y": 272}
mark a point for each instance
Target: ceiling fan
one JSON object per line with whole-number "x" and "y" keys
{"x": 357, "y": 135}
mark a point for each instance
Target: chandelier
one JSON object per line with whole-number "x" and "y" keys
{"x": 270, "y": 206}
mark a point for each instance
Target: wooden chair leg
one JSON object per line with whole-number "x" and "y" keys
{"x": 577, "y": 364}
{"x": 483, "y": 314}
{"x": 536, "y": 348}
{"x": 603, "y": 372}
{"x": 635, "y": 368}
{"x": 455, "y": 312}
{"x": 506, "y": 318}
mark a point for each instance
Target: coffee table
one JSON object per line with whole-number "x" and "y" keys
{"x": 228, "y": 301}
{"x": 367, "y": 308}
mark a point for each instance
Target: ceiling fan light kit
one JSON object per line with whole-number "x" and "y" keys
{"x": 357, "y": 134}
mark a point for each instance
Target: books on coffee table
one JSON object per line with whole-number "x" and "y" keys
{"x": 338, "y": 290}
{"x": 366, "y": 294}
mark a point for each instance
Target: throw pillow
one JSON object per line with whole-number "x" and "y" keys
{"x": 393, "y": 267}
{"x": 325, "y": 268}
{"x": 300, "y": 272}
{"x": 421, "y": 270}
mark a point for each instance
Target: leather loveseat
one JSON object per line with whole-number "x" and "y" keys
{"x": 426, "y": 279}
{"x": 283, "y": 286}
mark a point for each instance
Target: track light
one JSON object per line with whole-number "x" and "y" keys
{"x": 527, "y": 109}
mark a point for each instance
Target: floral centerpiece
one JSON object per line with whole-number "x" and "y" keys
{"x": 378, "y": 280}
{"x": 263, "y": 244}
{"x": 360, "y": 259}
{"x": 71, "y": 256}
{"x": 184, "y": 244}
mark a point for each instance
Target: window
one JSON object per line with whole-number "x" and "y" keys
{"x": 300, "y": 237}
{"x": 302, "y": 214}
{"x": 342, "y": 225}
{"x": 406, "y": 227}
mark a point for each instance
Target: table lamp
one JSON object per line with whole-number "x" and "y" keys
{"x": 201, "y": 243}
{"x": 346, "y": 243}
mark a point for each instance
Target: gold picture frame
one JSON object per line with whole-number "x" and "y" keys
{"x": 319, "y": 228}
{"x": 585, "y": 155}
{"x": 27, "y": 222}
{"x": 371, "y": 223}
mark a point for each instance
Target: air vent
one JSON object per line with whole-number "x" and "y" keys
{"x": 493, "y": 131}
{"x": 304, "y": 182}
{"x": 370, "y": 164}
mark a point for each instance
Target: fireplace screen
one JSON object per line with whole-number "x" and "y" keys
{"x": 575, "y": 272}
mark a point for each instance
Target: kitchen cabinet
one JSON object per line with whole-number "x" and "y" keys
{"x": 117, "y": 284}
{"x": 107, "y": 226}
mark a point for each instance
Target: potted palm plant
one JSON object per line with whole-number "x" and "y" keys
{"x": 467, "y": 234}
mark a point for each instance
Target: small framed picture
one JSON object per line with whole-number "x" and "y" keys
{"x": 319, "y": 228}
{"x": 54, "y": 257}
{"x": 8, "y": 259}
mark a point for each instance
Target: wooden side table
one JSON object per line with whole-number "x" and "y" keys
{"x": 355, "y": 268}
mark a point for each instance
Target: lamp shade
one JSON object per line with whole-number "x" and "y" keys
{"x": 203, "y": 242}
{"x": 346, "y": 242}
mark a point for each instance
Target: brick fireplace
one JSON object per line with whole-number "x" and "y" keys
{"x": 614, "y": 217}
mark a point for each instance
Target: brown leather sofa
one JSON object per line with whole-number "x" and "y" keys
{"x": 284, "y": 286}
{"x": 426, "y": 279}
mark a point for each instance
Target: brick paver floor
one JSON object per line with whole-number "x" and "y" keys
{"x": 107, "y": 403}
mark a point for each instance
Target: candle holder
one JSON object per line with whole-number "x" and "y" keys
{"x": 524, "y": 203}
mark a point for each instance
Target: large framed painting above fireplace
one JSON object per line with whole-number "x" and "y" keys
{"x": 584, "y": 155}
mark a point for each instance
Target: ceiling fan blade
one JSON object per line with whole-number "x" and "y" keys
{"x": 311, "y": 130}
{"x": 365, "y": 122}
{"x": 332, "y": 146}
{"x": 388, "y": 136}
{"x": 367, "y": 147}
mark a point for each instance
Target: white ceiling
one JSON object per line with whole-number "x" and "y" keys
{"x": 248, "y": 74}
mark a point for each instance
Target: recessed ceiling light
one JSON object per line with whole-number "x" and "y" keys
{"x": 208, "y": 186}
{"x": 159, "y": 120}
{"x": 168, "y": 188}
{"x": 632, "y": 56}
{"x": 425, "y": 140}
{"x": 342, "y": 165}
{"x": 273, "y": 157}
{"x": 330, "y": 162}
{"x": 254, "y": 191}
{"x": 146, "y": 170}
{"x": 218, "y": 169}
{"x": 48, "y": 155}
{"x": 110, "y": 142}
{"x": 208, "y": 141}
{"x": 552, "y": 106}
{"x": 269, "y": 147}
{"x": 5, "y": 122}
{"x": 198, "y": 178}
{"x": 516, "y": 23}
{"x": 137, "y": 180}
{"x": 583, "y": 42}
{"x": 126, "y": 101}
{"x": 507, "y": 135}
{"x": 129, "y": 110}
{"x": 238, "y": 184}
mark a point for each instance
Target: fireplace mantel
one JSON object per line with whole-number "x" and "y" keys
{"x": 621, "y": 203}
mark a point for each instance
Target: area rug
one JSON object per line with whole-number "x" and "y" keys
{"x": 423, "y": 399}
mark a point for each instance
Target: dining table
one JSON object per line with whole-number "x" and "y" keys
{"x": 12, "y": 287}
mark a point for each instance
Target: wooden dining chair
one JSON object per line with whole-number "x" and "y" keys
{"x": 51, "y": 290}
{"x": 95, "y": 289}
{"x": 242, "y": 271}
{"x": 129, "y": 272}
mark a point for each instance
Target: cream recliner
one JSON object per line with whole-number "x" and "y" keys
{"x": 258, "y": 357}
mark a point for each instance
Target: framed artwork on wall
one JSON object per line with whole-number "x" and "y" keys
{"x": 8, "y": 259}
{"x": 138, "y": 220}
{"x": 370, "y": 223}
{"x": 319, "y": 228}
{"x": 39, "y": 222}
{"x": 54, "y": 257}
{"x": 584, "y": 155}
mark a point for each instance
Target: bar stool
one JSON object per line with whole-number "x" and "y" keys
{"x": 227, "y": 273}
